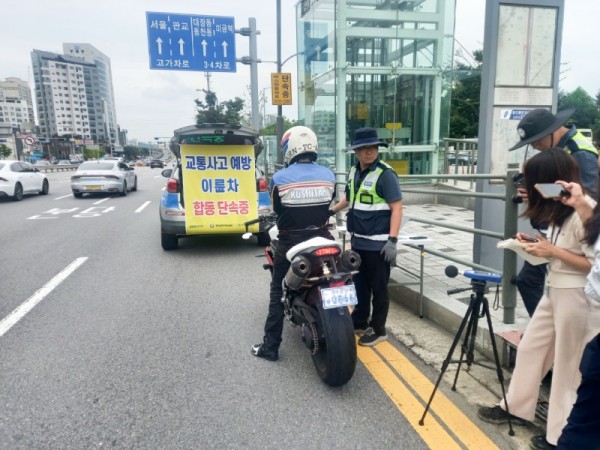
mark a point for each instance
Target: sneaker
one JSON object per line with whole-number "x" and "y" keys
{"x": 370, "y": 338}
{"x": 260, "y": 351}
{"x": 497, "y": 415}
{"x": 539, "y": 442}
{"x": 360, "y": 330}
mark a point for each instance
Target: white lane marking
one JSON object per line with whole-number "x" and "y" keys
{"x": 101, "y": 201}
{"x": 141, "y": 208}
{"x": 20, "y": 311}
{"x": 64, "y": 196}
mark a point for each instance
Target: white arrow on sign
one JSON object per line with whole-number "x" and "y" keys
{"x": 181, "y": 42}
{"x": 225, "y": 48}
{"x": 204, "y": 44}
{"x": 159, "y": 42}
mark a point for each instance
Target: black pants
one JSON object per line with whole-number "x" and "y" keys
{"x": 371, "y": 281}
{"x": 275, "y": 316}
{"x": 582, "y": 431}
{"x": 530, "y": 283}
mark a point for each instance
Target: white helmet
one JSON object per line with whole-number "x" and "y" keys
{"x": 299, "y": 141}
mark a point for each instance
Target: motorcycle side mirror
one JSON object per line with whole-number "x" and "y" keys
{"x": 246, "y": 236}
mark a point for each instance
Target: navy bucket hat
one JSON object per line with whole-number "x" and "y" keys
{"x": 365, "y": 137}
{"x": 538, "y": 124}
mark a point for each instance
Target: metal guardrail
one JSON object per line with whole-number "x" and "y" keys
{"x": 56, "y": 167}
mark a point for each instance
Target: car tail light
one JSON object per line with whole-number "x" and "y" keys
{"x": 3, "y": 179}
{"x": 172, "y": 186}
{"x": 114, "y": 177}
{"x": 325, "y": 251}
{"x": 262, "y": 185}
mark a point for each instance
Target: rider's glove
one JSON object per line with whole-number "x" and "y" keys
{"x": 331, "y": 212}
{"x": 389, "y": 251}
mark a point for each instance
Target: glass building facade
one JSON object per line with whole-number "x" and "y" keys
{"x": 384, "y": 64}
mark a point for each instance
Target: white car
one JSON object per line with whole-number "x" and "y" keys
{"x": 108, "y": 176}
{"x": 18, "y": 178}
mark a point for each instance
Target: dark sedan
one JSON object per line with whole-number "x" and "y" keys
{"x": 157, "y": 163}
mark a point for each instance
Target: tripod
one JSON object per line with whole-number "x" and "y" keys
{"x": 478, "y": 308}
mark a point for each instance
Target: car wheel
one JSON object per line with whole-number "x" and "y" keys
{"x": 18, "y": 192}
{"x": 45, "y": 188}
{"x": 168, "y": 241}
{"x": 123, "y": 193}
{"x": 134, "y": 188}
{"x": 77, "y": 194}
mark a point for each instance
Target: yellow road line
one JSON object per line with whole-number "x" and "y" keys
{"x": 434, "y": 435}
{"x": 453, "y": 418}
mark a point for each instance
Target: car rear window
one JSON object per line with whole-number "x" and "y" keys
{"x": 92, "y": 165}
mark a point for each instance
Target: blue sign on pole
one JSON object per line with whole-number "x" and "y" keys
{"x": 186, "y": 42}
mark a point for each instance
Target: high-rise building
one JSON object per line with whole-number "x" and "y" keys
{"x": 102, "y": 105}
{"x": 16, "y": 105}
{"x": 74, "y": 94}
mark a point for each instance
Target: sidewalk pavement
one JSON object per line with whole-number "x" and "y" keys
{"x": 430, "y": 337}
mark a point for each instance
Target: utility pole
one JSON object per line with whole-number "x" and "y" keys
{"x": 279, "y": 122}
{"x": 252, "y": 61}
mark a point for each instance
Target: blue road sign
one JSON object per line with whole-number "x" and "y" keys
{"x": 186, "y": 42}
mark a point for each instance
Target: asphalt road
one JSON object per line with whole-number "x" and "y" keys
{"x": 142, "y": 348}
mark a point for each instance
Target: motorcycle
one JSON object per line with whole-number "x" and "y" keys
{"x": 317, "y": 291}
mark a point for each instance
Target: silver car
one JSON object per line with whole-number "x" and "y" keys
{"x": 108, "y": 176}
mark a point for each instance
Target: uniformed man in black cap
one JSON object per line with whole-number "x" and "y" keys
{"x": 543, "y": 130}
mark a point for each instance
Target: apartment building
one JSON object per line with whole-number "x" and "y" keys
{"x": 16, "y": 105}
{"x": 74, "y": 94}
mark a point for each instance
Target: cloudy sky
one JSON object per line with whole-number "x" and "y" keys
{"x": 152, "y": 103}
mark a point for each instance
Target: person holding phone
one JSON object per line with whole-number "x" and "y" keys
{"x": 583, "y": 425}
{"x": 543, "y": 130}
{"x": 565, "y": 318}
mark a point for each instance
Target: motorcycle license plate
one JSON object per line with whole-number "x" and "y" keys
{"x": 336, "y": 297}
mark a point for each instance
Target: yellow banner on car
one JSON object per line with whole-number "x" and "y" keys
{"x": 220, "y": 188}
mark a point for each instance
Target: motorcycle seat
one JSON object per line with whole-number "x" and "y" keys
{"x": 311, "y": 243}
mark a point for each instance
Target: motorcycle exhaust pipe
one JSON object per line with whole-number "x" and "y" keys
{"x": 299, "y": 270}
{"x": 350, "y": 260}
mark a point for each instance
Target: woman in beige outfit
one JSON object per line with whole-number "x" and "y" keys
{"x": 565, "y": 319}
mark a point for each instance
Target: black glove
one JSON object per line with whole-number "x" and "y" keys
{"x": 389, "y": 251}
{"x": 331, "y": 212}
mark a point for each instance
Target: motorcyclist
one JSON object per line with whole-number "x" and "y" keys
{"x": 301, "y": 194}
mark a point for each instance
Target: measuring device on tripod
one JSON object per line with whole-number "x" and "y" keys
{"x": 478, "y": 308}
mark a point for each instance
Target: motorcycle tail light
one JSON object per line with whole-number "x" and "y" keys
{"x": 262, "y": 185}
{"x": 326, "y": 251}
{"x": 172, "y": 186}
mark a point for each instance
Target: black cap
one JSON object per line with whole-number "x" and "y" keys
{"x": 539, "y": 123}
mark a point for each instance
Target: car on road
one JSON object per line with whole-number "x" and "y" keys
{"x": 463, "y": 159}
{"x": 108, "y": 176}
{"x": 172, "y": 208}
{"x": 42, "y": 162}
{"x": 18, "y": 178}
{"x": 157, "y": 163}
{"x": 63, "y": 162}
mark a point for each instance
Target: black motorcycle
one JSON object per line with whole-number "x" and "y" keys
{"x": 317, "y": 291}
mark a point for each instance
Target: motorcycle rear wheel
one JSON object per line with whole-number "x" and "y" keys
{"x": 335, "y": 360}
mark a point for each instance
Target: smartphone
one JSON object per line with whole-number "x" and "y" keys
{"x": 551, "y": 190}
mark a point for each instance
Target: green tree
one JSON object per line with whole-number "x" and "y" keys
{"x": 211, "y": 111}
{"x": 271, "y": 130}
{"x": 5, "y": 151}
{"x": 464, "y": 106}
{"x": 586, "y": 113}
{"x": 131, "y": 152}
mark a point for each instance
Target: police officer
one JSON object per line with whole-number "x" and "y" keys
{"x": 301, "y": 194}
{"x": 374, "y": 199}
{"x": 543, "y": 130}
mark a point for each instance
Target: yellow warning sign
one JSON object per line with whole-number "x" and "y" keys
{"x": 281, "y": 88}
